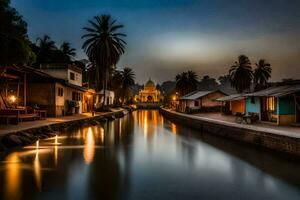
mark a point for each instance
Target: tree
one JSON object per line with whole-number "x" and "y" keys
{"x": 186, "y": 82}
{"x": 45, "y": 48}
{"x": 208, "y": 83}
{"x": 262, "y": 74}
{"x": 241, "y": 74}
{"x": 192, "y": 79}
{"x": 127, "y": 82}
{"x": 181, "y": 83}
{"x": 67, "y": 51}
{"x": 104, "y": 46}
{"x": 14, "y": 42}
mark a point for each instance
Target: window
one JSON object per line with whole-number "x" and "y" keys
{"x": 196, "y": 103}
{"x": 72, "y": 76}
{"x": 60, "y": 92}
{"x": 270, "y": 103}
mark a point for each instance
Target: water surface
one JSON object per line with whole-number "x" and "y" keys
{"x": 144, "y": 156}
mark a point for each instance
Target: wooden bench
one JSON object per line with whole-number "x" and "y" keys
{"x": 15, "y": 114}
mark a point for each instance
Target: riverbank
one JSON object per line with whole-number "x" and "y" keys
{"x": 275, "y": 138}
{"x": 28, "y": 132}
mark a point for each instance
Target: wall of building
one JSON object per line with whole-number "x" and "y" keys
{"x": 77, "y": 77}
{"x": 253, "y": 107}
{"x": 68, "y": 96}
{"x": 237, "y": 106}
{"x": 57, "y": 73}
{"x": 209, "y": 100}
{"x": 42, "y": 94}
{"x": 286, "y": 110}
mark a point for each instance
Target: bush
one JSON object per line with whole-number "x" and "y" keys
{"x": 72, "y": 104}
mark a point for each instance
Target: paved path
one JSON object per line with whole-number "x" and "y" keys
{"x": 230, "y": 121}
{"x": 5, "y": 129}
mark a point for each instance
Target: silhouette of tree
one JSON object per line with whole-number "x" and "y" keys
{"x": 262, "y": 74}
{"x": 67, "y": 51}
{"x": 241, "y": 74}
{"x": 186, "y": 82}
{"x": 14, "y": 43}
{"x": 103, "y": 45}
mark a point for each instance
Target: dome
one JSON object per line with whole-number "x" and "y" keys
{"x": 150, "y": 84}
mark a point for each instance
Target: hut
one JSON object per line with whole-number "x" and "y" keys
{"x": 278, "y": 104}
{"x": 201, "y": 100}
{"x": 233, "y": 104}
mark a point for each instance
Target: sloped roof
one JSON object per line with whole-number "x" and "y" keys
{"x": 276, "y": 91}
{"x": 233, "y": 97}
{"x": 197, "y": 94}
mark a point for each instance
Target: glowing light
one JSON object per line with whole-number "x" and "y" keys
{"x": 12, "y": 177}
{"x": 13, "y": 98}
{"x": 173, "y": 128}
{"x": 37, "y": 171}
{"x": 89, "y": 147}
{"x": 56, "y": 140}
{"x": 174, "y": 98}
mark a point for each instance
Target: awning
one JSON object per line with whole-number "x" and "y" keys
{"x": 233, "y": 97}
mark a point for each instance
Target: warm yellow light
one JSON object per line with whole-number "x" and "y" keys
{"x": 13, "y": 98}
{"x": 174, "y": 98}
{"x": 89, "y": 146}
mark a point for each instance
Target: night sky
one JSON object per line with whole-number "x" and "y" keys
{"x": 168, "y": 36}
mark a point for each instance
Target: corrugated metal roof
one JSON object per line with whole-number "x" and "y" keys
{"x": 276, "y": 91}
{"x": 196, "y": 95}
{"x": 233, "y": 97}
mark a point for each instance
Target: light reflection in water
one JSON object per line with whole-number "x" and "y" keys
{"x": 12, "y": 177}
{"x": 37, "y": 168}
{"x": 173, "y": 128}
{"x": 112, "y": 160}
{"x": 89, "y": 146}
{"x": 56, "y": 151}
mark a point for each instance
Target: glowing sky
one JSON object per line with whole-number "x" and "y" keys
{"x": 169, "y": 36}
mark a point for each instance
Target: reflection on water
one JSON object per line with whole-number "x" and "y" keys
{"x": 89, "y": 146}
{"x": 12, "y": 177}
{"x": 144, "y": 156}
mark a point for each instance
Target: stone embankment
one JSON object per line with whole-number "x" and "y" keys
{"x": 29, "y": 136}
{"x": 260, "y": 137}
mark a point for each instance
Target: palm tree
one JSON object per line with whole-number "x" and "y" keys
{"x": 192, "y": 79}
{"x": 103, "y": 45}
{"x": 46, "y": 47}
{"x": 67, "y": 51}
{"x": 262, "y": 73}
{"x": 46, "y": 44}
{"x": 241, "y": 74}
{"x": 116, "y": 83}
{"x": 128, "y": 77}
{"x": 181, "y": 83}
{"x": 186, "y": 82}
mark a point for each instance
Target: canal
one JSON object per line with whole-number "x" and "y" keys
{"x": 145, "y": 156}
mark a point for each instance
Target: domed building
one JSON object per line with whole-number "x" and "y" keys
{"x": 149, "y": 93}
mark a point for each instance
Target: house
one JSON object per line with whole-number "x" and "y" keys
{"x": 279, "y": 104}
{"x": 200, "y": 100}
{"x": 40, "y": 87}
{"x": 99, "y": 97}
{"x": 61, "y": 92}
{"x": 233, "y": 104}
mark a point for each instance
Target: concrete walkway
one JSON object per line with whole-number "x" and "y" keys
{"x": 5, "y": 129}
{"x": 218, "y": 118}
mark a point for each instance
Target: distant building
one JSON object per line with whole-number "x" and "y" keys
{"x": 149, "y": 93}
